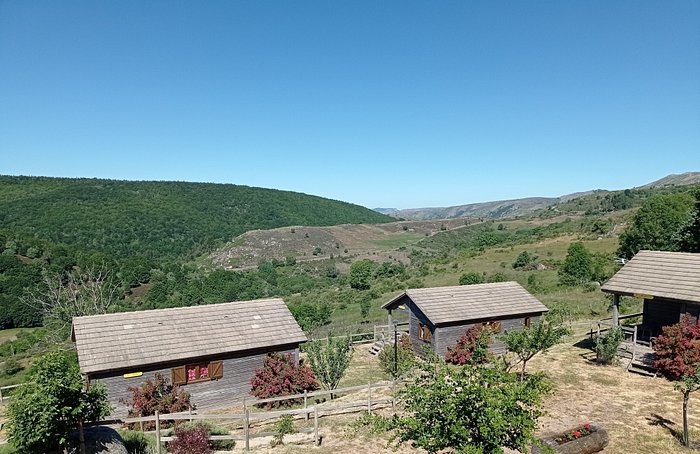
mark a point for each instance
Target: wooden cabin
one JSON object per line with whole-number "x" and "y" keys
{"x": 211, "y": 351}
{"x": 439, "y": 316}
{"x": 668, "y": 282}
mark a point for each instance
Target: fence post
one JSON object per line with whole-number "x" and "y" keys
{"x": 81, "y": 437}
{"x": 393, "y": 393}
{"x": 306, "y": 401}
{"x": 0, "y": 395}
{"x": 316, "y": 425}
{"x": 369, "y": 397}
{"x": 157, "y": 432}
{"x": 141, "y": 425}
{"x": 246, "y": 429}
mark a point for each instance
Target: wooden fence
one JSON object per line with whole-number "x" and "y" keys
{"x": 4, "y": 397}
{"x": 248, "y": 416}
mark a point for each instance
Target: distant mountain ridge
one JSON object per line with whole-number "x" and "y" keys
{"x": 501, "y": 209}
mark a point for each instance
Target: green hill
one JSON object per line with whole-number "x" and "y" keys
{"x": 157, "y": 219}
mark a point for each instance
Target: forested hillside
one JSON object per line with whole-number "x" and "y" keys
{"x": 53, "y": 225}
{"x": 157, "y": 219}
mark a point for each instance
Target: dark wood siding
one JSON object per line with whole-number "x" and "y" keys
{"x": 447, "y": 336}
{"x": 659, "y": 313}
{"x": 416, "y": 317}
{"x": 225, "y": 392}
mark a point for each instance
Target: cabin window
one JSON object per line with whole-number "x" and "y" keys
{"x": 494, "y": 327}
{"x": 424, "y": 333}
{"x": 527, "y": 322}
{"x": 197, "y": 372}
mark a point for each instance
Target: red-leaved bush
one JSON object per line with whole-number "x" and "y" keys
{"x": 191, "y": 440}
{"x": 472, "y": 347}
{"x": 156, "y": 394}
{"x": 678, "y": 349}
{"x": 281, "y": 376}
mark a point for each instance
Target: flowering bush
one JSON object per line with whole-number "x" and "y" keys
{"x": 191, "y": 440}
{"x": 574, "y": 434}
{"x": 281, "y": 376}
{"x": 678, "y": 349}
{"x": 472, "y": 347}
{"x": 156, "y": 395}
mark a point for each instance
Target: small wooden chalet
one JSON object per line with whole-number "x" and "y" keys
{"x": 211, "y": 351}
{"x": 668, "y": 282}
{"x": 439, "y": 316}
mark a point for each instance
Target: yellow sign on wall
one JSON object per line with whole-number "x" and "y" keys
{"x": 133, "y": 374}
{"x": 643, "y": 296}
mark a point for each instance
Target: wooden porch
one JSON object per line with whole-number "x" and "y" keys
{"x": 636, "y": 350}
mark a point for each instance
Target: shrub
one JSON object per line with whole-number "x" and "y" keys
{"x": 156, "y": 395}
{"x": 137, "y": 442}
{"x": 470, "y": 279}
{"x": 405, "y": 358}
{"x": 45, "y": 410}
{"x": 281, "y": 376}
{"x": 524, "y": 260}
{"x": 606, "y": 346}
{"x": 472, "y": 347}
{"x": 678, "y": 349}
{"x": 191, "y": 440}
{"x": 470, "y": 409}
{"x": 10, "y": 367}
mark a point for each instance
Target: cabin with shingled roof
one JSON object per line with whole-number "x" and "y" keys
{"x": 668, "y": 282}
{"x": 211, "y": 351}
{"x": 439, "y": 316}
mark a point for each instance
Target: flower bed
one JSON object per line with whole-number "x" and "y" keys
{"x": 585, "y": 439}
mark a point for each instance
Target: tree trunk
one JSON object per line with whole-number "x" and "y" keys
{"x": 686, "y": 395}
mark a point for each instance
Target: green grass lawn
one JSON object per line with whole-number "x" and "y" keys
{"x": 7, "y": 335}
{"x": 398, "y": 240}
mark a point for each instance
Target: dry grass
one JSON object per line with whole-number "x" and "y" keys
{"x": 642, "y": 415}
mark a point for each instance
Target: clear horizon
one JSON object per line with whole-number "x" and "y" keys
{"x": 394, "y": 105}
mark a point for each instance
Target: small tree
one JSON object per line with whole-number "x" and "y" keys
{"x": 470, "y": 279}
{"x": 578, "y": 265}
{"x": 688, "y": 383}
{"x": 472, "y": 347}
{"x": 678, "y": 359}
{"x": 282, "y": 376}
{"x": 329, "y": 359}
{"x": 470, "y": 409}
{"x": 404, "y": 356}
{"x": 46, "y": 409}
{"x": 528, "y": 342}
{"x": 157, "y": 394}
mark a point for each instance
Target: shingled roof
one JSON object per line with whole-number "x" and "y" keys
{"x": 471, "y": 302}
{"x": 129, "y": 339}
{"x": 671, "y": 275}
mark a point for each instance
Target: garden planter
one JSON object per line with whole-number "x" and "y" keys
{"x": 578, "y": 440}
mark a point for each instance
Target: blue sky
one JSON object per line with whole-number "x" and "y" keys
{"x": 394, "y": 104}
